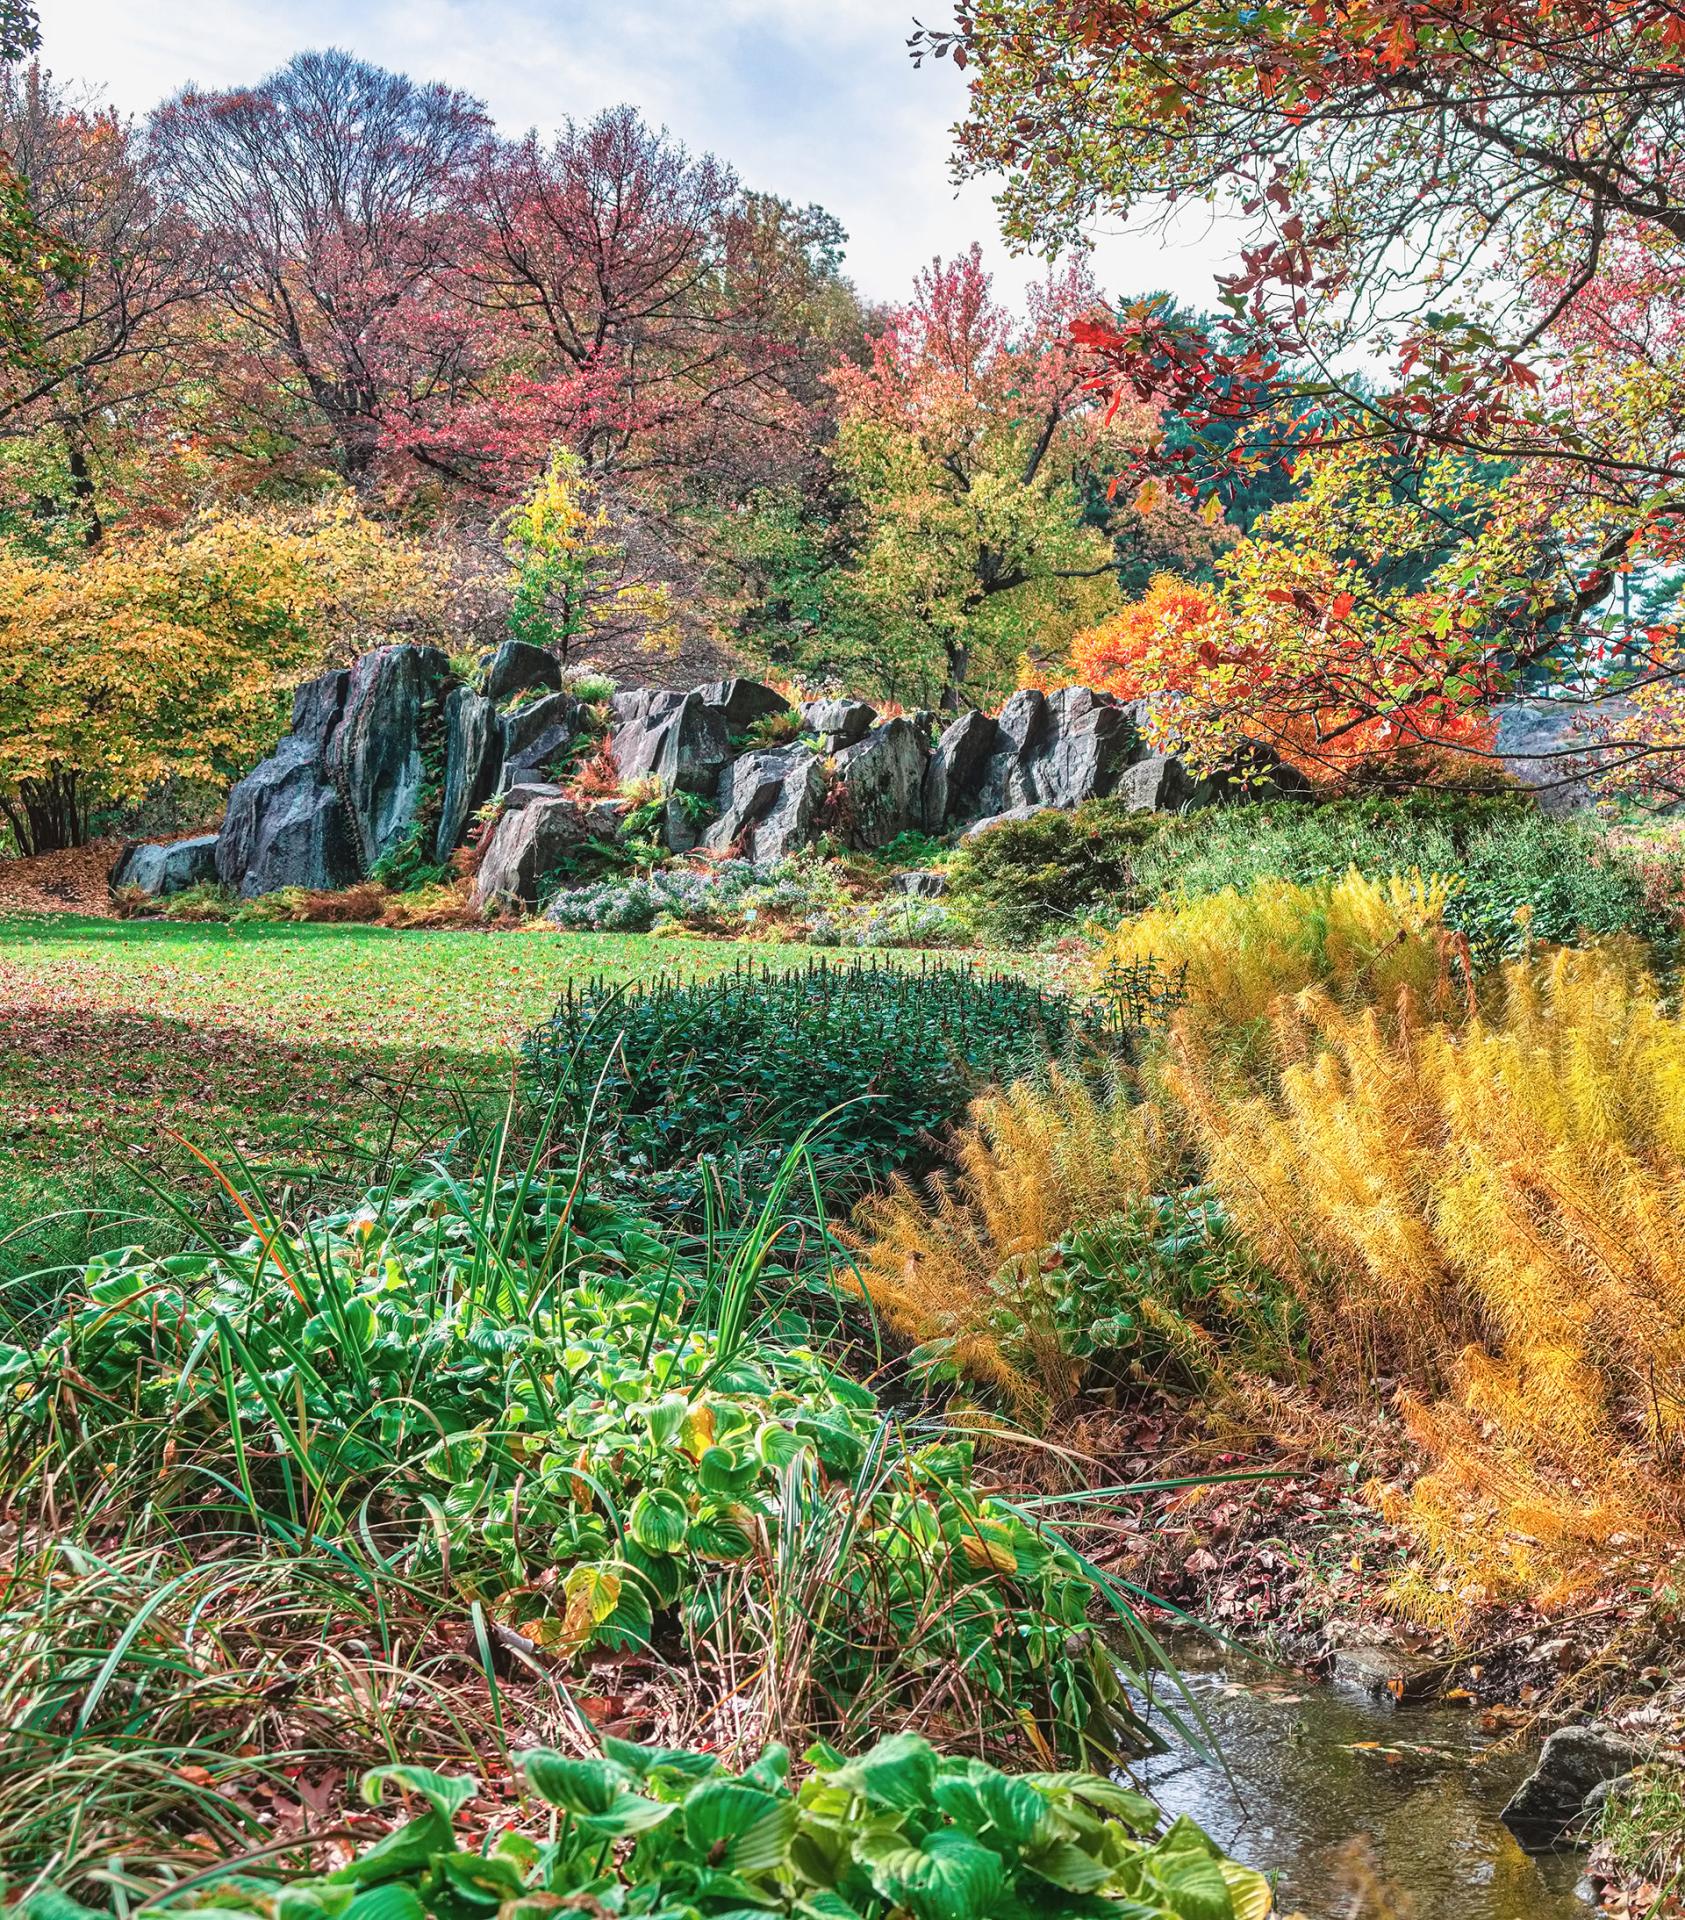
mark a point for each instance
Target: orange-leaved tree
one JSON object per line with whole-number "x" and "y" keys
{"x": 1212, "y": 686}
{"x": 166, "y": 655}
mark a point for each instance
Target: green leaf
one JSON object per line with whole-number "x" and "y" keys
{"x": 950, "y": 1877}
{"x": 899, "y": 1773}
{"x": 739, "y": 1827}
{"x": 595, "y": 1792}
{"x": 658, "y": 1521}
{"x": 446, "y": 1793}
{"x": 394, "y": 1901}
{"x": 407, "y": 1850}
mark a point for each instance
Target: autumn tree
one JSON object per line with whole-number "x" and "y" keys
{"x": 1472, "y": 193}
{"x": 332, "y": 197}
{"x": 969, "y": 438}
{"x": 172, "y": 654}
{"x": 662, "y": 321}
{"x": 572, "y": 583}
{"x": 117, "y": 337}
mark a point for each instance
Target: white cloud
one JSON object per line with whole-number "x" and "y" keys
{"x": 813, "y": 99}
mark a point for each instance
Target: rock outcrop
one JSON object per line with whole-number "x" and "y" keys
{"x": 537, "y": 734}
{"x": 768, "y": 803}
{"x": 473, "y": 758}
{"x": 163, "y": 867}
{"x": 880, "y": 784}
{"x": 377, "y": 755}
{"x": 286, "y": 825}
{"x": 375, "y": 750}
{"x": 527, "y": 847}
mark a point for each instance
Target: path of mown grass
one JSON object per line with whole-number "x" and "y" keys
{"x": 315, "y": 1051}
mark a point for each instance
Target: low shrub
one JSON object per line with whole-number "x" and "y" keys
{"x": 1019, "y": 881}
{"x": 899, "y": 1831}
{"x": 732, "y": 1071}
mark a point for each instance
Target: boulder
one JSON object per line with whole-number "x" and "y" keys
{"x": 1089, "y": 740}
{"x": 515, "y": 667}
{"x": 525, "y": 792}
{"x": 1162, "y": 784}
{"x": 919, "y": 883}
{"x": 163, "y": 867}
{"x": 839, "y": 723}
{"x": 1020, "y": 733}
{"x": 678, "y": 737}
{"x": 286, "y": 825}
{"x": 527, "y": 847}
{"x": 473, "y": 762}
{"x": 378, "y": 755}
{"x": 536, "y": 734}
{"x": 768, "y": 803}
{"x": 1027, "y": 811}
{"x": 1573, "y": 1762}
{"x": 1552, "y": 745}
{"x": 956, "y": 768}
{"x": 743, "y": 702}
{"x": 880, "y": 781}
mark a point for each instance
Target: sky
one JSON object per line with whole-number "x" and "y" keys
{"x": 812, "y": 99}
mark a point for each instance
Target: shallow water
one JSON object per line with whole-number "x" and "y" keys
{"x": 1313, "y": 1767}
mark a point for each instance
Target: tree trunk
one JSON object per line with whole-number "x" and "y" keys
{"x": 958, "y": 658}
{"x": 46, "y": 815}
{"x": 82, "y": 492}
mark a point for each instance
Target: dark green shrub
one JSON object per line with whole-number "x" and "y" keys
{"x": 1024, "y": 879}
{"x": 1524, "y": 874}
{"x": 734, "y": 1070}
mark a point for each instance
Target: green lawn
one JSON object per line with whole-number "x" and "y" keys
{"x": 313, "y": 1052}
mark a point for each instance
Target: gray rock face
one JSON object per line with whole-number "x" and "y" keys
{"x": 1090, "y": 740}
{"x": 742, "y": 702}
{"x": 679, "y": 737}
{"x": 881, "y": 780}
{"x": 768, "y": 803}
{"x": 956, "y": 768}
{"x": 515, "y": 667}
{"x": 286, "y": 825}
{"x": 375, "y": 756}
{"x": 526, "y": 849}
{"x": 839, "y": 723}
{"x": 473, "y": 762}
{"x": 1551, "y": 745}
{"x": 1058, "y": 750}
{"x": 1161, "y": 783}
{"x": 1572, "y": 1763}
{"x": 526, "y": 792}
{"x": 163, "y": 867}
{"x": 919, "y": 884}
{"x": 535, "y": 733}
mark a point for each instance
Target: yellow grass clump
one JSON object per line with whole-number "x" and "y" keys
{"x": 1034, "y": 1160}
{"x": 1492, "y": 1219}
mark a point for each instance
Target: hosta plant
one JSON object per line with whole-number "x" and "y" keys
{"x": 672, "y": 1835}
{"x": 607, "y": 1439}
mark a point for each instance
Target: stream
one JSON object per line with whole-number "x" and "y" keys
{"x": 1313, "y": 1768}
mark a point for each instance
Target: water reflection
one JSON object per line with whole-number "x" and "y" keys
{"x": 1353, "y": 1803}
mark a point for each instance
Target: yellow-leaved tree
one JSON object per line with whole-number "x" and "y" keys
{"x": 170, "y": 654}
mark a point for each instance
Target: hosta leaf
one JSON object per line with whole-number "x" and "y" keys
{"x": 393, "y": 1901}
{"x": 719, "y": 1537}
{"x": 406, "y": 1850}
{"x": 777, "y": 1445}
{"x": 950, "y": 1877}
{"x": 1067, "y": 1865}
{"x": 739, "y": 1827}
{"x": 1249, "y": 1891}
{"x": 590, "y": 1594}
{"x": 658, "y": 1520}
{"x": 595, "y": 1792}
{"x": 899, "y": 1773}
{"x": 455, "y": 1458}
{"x": 646, "y": 1762}
{"x": 449, "y": 1793}
{"x": 666, "y": 1419}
